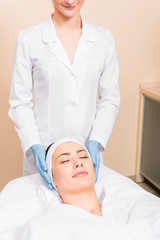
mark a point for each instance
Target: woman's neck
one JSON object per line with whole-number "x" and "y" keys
{"x": 86, "y": 200}
{"x": 64, "y": 23}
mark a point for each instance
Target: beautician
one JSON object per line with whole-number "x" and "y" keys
{"x": 64, "y": 84}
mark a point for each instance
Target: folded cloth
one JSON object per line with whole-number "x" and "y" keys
{"x": 124, "y": 217}
{"x": 126, "y": 208}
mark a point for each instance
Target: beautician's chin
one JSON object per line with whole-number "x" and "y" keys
{"x": 69, "y": 12}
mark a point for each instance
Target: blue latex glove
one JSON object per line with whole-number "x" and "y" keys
{"x": 93, "y": 149}
{"x": 41, "y": 165}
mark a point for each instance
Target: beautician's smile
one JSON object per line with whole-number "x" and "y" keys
{"x": 80, "y": 174}
{"x": 70, "y": 7}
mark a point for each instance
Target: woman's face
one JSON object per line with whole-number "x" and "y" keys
{"x": 72, "y": 168}
{"x": 68, "y": 8}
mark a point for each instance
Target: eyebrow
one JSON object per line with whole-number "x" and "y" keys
{"x": 78, "y": 151}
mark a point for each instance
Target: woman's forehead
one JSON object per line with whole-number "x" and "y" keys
{"x": 67, "y": 147}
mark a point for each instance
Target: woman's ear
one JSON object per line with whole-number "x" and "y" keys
{"x": 54, "y": 180}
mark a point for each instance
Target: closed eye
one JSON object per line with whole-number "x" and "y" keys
{"x": 69, "y": 160}
{"x": 65, "y": 161}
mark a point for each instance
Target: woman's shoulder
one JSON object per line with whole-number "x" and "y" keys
{"x": 100, "y": 31}
{"x": 31, "y": 33}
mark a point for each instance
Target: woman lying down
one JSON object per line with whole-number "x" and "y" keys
{"x": 78, "y": 213}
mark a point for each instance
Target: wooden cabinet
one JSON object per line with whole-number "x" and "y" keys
{"x": 148, "y": 137}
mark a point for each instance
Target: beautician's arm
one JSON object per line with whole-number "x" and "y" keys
{"x": 21, "y": 98}
{"x": 109, "y": 97}
{"x": 21, "y": 105}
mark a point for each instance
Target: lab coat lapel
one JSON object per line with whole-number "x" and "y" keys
{"x": 50, "y": 37}
{"x": 82, "y": 50}
{"x": 60, "y": 53}
{"x": 85, "y": 43}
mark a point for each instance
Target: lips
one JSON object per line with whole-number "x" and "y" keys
{"x": 80, "y": 174}
{"x": 69, "y": 7}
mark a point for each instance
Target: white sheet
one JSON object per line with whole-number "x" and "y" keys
{"x": 129, "y": 212}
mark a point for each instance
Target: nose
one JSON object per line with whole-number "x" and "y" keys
{"x": 77, "y": 163}
{"x": 69, "y": 2}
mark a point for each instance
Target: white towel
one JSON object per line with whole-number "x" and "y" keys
{"x": 123, "y": 218}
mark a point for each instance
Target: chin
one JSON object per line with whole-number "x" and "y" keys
{"x": 69, "y": 13}
{"x": 84, "y": 185}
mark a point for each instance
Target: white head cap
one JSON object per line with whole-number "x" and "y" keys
{"x": 51, "y": 151}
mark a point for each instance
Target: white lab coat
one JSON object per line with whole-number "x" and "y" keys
{"x": 64, "y": 95}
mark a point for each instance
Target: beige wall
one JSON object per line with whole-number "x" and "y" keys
{"x": 135, "y": 25}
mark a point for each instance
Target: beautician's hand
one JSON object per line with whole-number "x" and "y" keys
{"x": 41, "y": 165}
{"x": 93, "y": 149}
